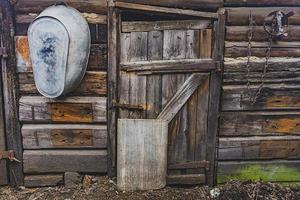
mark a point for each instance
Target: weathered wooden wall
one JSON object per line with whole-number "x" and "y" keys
{"x": 260, "y": 140}
{"x": 69, "y": 134}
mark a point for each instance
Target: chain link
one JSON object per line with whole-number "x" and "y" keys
{"x": 253, "y": 98}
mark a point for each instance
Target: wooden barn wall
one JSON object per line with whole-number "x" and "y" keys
{"x": 260, "y": 140}
{"x": 68, "y": 134}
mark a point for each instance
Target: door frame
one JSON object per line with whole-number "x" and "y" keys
{"x": 9, "y": 94}
{"x": 114, "y": 28}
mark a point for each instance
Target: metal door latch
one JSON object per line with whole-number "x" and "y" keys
{"x": 9, "y": 155}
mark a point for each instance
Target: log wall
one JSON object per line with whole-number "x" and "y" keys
{"x": 260, "y": 140}
{"x": 69, "y": 134}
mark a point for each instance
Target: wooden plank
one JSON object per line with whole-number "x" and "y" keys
{"x": 259, "y": 148}
{"x": 142, "y": 157}
{"x": 234, "y": 124}
{"x": 163, "y": 66}
{"x": 261, "y": 3}
{"x": 158, "y": 9}
{"x": 174, "y": 44}
{"x": 235, "y": 52}
{"x": 113, "y": 62}
{"x": 272, "y": 97}
{"x": 91, "y": 18}
{"x": 181, "y": 96}
{"x": 205, "y": 43}
{"x": 97, "y": 60}
{"x": 72, "y": 109}
{"x": 240, "y": 16}
{"x": 268, "y": 171}
{"x": 154, "y": 82}
{"x": 192, "y": 40}
{"x": 146, "y": 26}
{"x": 215, "y": 97}
{"x": 93, "y": 6}
{"x": 59, "y": 161}
{"x": 93, "y": 84}
{"x": 191, "y": 179}
{"x": 192, "y": 4}
{"x": 43, "y": 180}
{"x": 138, "y": 46}
{"x": 10, "y": 94}
{"x": 240, "y": 33}
{"x": 278, "y": 44}
{"x": 64, "y": 136}
{"x": 189, "y": 165}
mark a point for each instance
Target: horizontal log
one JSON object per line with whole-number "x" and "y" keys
{"x": 97, "y": 60}
{"x": 265, "y": 45}
{"x": 165, "y": 10}
{"x": 259, "y": 148}
{"x": 276, "y": 64}
{"x": 268, "y": 171}
{"x": 64, "y": 136}
{"x": 240, "y": 16}
{"x": 98, "y": 32}
{"x": 192, "y": 179}
{"x": 36, "y": 6}
{"x": 261, "y": 3}
{"x": 191, "y": 4}
{"x": 43, "y": 180}
{"x": 145, "y": 26}
{"x": 68, "y": 110}
{"x": 242, "y": 51}
{"x": 240, "y": 33}
{"x": 271, "y": 97}
{"x": 59, "y": 161}
{"x": 91, "y": 18}
{"x": 235, "y": 124}
{"x": 93, "y": 84}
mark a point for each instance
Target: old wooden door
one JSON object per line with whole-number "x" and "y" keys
{"x": 177, "y": 63}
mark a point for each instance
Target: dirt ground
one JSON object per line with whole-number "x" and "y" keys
{"x": 101, "y": 188}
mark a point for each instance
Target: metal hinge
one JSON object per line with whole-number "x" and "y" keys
{"x": 8, "y": 155}
{"x": 3, "y": 52}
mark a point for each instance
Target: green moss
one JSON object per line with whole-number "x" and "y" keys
{"x": 256, "y": 172}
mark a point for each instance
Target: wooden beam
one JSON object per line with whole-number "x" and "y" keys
{"x": 191, "y": 179}
{"x": 189, "y": 165}
{"x": 59, "y": 161}
{"x": 181, "y": 97}
{"x": 215, "y": 96}
{"x": 10, "y": 95}
{"x": 261, "y": 3}
{"x": 162, "y": 66}
{"x": 159, "y": 9}
{"x": 43, "y": 180}
{"x": 145, "y": 26}
{"x": 113, "y": 17}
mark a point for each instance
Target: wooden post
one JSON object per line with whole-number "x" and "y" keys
{"x": 215, "y": 96}
{"x": 112, "y": 73}
{"x": 10, "y": 94}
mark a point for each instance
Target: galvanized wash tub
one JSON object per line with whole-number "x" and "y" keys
{"x": 59, "y": 43}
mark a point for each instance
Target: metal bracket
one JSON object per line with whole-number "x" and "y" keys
{"x": 9, "y": 155}
{"x": 3, "y": 52}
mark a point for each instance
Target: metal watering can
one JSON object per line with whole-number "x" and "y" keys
{"x": 59, "y": 42}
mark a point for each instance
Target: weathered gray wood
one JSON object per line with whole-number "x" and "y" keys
{"x": 72, "y": 109}
{"x": 114, "y": 52}
{"x": 58, "y": 161}
{"x": 43, "y": 180}
{"x": 181, "y": 97}
{"x": 244, "y": 124}
{"x": 259, "y": 148}
{"x": 206, "y": 43}
{"x": 261, "y": 3}
{"x": 268, "y": 171}
{"x": 193, "y": 44}
{"x": 190, "y": 179}
{"x": 142, "y": 154}
{"x": 192, "y": 4}
{"x": 10, "y": 93}
{"x": 64, "y": 136}
{"x": 174, "y": 44}
{"x": 165, "y": 10}
{"x": 138, "y": 46}
{"x": 140, "y": 26}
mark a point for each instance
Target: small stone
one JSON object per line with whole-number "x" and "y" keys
{"x": 87, "y": 181}
{"x": 72, "y": 179}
